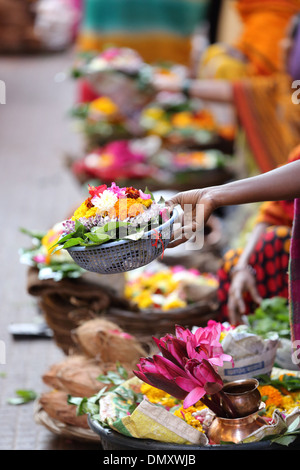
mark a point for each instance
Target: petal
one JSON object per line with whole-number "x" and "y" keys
{"x": 168, "y": 368}
{"x": 186, "y": 384}
{"x": 168, "y": 386}
{"x": 195, "y": 395}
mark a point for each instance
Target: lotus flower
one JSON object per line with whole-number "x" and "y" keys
{"x": 187, "y": 367}
{"x": 202, "y": 379}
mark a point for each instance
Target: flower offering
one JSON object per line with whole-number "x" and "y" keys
{"x": 165, "y": 288}
{"x": 50, "y": 265}
{"x": 112, "y": 213}
{"x": 116, "y": 161}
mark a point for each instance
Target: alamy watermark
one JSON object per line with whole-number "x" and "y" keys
{"x": 296, "y": 94}
{"x": 296, "y": 352}
{"x": 2, "y": 352}
{"x": 2, "y": 92}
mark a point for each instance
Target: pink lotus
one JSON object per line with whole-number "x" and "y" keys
{"x": 202, "y": 379}
{"x": 205, "y": 344}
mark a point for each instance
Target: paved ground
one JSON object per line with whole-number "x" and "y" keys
{"x": 36, "y": 191}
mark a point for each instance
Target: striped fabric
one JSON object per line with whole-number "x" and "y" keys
{"x": 294, "y": 282}
{"x": 156, "y": 29}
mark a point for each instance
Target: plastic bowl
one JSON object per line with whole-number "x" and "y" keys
{"x": 125, "y": 255}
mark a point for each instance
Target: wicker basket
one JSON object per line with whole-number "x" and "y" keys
{"x": 125, "y": 255}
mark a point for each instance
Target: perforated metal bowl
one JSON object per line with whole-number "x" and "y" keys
{"x": 125, "y": 255}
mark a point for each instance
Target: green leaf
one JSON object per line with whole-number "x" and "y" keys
{"x": 294, "y": 426}
{"x": 33, "y": 234}
{"x": 73, "y": 242}
{"x": 97, "y": 238}
{"x": 284, "y": 440}
{"x": 147, "y": 191}
{"x": 24, "y": 396}
{"x": 122, "y": 371}
{"x": 135, "y": 236}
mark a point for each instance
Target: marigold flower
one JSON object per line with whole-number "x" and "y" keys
{"x": 127, "y": 207}
{"x": 103, "y": 105}
{"x": 182, "y": 119}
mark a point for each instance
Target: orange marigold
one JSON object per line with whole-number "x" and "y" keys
{"x": 274, "y": 397}
{"x": 127, "y": 207}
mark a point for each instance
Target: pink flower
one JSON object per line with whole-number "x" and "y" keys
{"x": 39, "y": 258}
{"x": 110, "y": 53}
{"x": 154, "y": 373}
{"x": 202, "y": 379}
{"x": 205, "y": 344}
{"x": 120, "y": 192}
{"x": 187, "y": 368}
{"x": 144, "y": 196}
{"x": 165, "y": 214}
{"x": 121, "y": 333}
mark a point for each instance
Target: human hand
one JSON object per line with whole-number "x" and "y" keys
{"x": 242, "y": 281}
{"x": 197, "y": 206}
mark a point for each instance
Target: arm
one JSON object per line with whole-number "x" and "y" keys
{"x": 212, "y": 90}
{"x": 280, "y": 184}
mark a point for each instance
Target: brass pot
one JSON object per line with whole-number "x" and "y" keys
{"x": 244, "y": 396}
{"x": 234, "y": 430}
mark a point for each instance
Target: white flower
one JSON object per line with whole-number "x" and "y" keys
{"x": 105, "y": 201}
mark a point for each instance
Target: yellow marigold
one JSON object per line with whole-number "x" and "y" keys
{"x": 182, "y": 119}
{"x": 174, "y": 303}
{"x": 288, "y": 403}
{"x": 162, "y": 281}
{"x": 161, "y": 128}
{"x": 86, "y": 209}
{"x": 158, "y": 396}
{"x": 48, "y": 241}
{"x": 91, "y": 212}
{"x": 144, "y": 299}
{"x": 103, "y": 105}
{"x": 187, "y": 415}
{"x": 154, "y": 113}
{"x": 145, "y": 202}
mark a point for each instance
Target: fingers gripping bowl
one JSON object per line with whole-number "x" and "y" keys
{"x": 117, "y": 230}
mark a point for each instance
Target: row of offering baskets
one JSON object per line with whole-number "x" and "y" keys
{"x": 188, "y": 394}
{"x": 68, "y": 295}
{"x": 134, "y": 133}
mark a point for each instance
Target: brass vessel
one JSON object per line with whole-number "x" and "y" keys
{"x": 246, "y": 400}
{"x": 244, "y": 396}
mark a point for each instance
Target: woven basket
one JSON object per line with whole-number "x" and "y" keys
{"x": 124, "y": 255}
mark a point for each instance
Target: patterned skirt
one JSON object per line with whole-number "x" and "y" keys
{"x": 270, "y": 260}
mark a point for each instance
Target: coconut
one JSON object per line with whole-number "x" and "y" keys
{"x": 107, "y": 342}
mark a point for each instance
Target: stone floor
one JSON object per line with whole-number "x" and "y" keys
{"x": 37, "y": 190}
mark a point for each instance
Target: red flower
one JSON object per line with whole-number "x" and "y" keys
{"x": 132, "y": 193}
{"x": 95, "y": 191}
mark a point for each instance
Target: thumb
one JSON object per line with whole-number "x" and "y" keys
{"x": 174, "y": 201}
